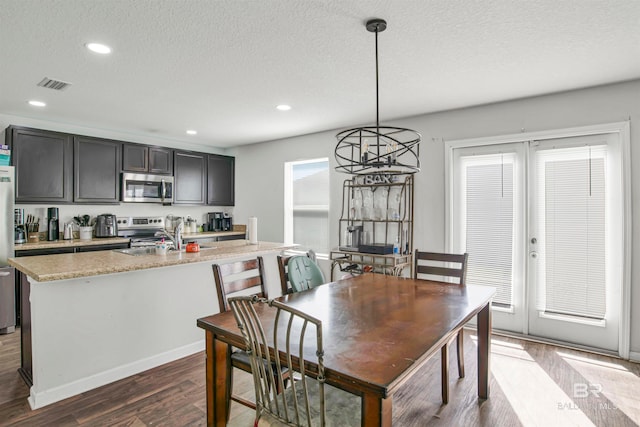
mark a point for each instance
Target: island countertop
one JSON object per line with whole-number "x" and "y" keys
{"x": 45, "y": 268}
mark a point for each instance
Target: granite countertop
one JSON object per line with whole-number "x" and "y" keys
{"x": 45, "y": 268}
{"x": 44, "y": 244}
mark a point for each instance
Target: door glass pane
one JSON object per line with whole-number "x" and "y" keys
{"x": 572, "y": 221}
{"x": 489, "y": 221}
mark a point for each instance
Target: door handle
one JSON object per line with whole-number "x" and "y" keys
{"x": 4, "y": 273}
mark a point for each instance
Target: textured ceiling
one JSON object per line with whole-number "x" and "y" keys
{"x": 221, "y": 66}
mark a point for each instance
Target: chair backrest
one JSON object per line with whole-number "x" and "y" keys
{"x": 304, "y": 401}
{"x": 439, "y": 265}
{"x": 304, "y": 273}
{"x": 237, "y": 277}
{"x": 283, "y": 267}
{"x": 307, "y": 275}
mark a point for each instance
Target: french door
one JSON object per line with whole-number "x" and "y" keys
{"x": 543, "y": 223}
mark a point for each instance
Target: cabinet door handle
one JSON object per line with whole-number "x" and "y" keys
{"x": 4, "y": 273}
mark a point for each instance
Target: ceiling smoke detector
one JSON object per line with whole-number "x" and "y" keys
{"x": 53, "y": 84}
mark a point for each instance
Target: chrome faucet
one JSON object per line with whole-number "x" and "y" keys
{"x": 176, "y": 238}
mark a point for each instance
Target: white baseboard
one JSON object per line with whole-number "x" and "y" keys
{"x": 634, "y": 356}
{"x": 47, "y": 397}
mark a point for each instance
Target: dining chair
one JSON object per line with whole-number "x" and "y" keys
{"x": 436, "y": 266}
{"x": 309, "y": 400}
{"x": 232, "y": 278}
{"x": 306, "y": 274}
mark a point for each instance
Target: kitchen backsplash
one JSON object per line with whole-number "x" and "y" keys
{"x": 67, "y": 212}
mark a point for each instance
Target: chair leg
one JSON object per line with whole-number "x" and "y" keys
{"x": 277, "y": 383}
{"x": 460, "y": 345}
{"x": 229, "y": 386}
{"x": 444, "y": 357}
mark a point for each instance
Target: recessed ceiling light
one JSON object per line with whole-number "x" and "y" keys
{"x": 98, "y": 48}
{"x": 283, "y": 107}
{"x": 192, "y": 132}
{"x": 37, "y": 103}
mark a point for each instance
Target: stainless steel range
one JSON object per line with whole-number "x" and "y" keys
{"x": 143, "y": 231}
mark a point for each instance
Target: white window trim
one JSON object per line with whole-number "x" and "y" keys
{"x": 623, "y": 130}
{"x": 290, "y": 208}
{"x": 580, "y": 320}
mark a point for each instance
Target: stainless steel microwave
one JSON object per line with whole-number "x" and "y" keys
{"x": 137, "y": 187}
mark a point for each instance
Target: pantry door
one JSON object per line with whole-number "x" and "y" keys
{"x": 543, "y": 221}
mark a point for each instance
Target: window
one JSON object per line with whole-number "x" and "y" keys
{"x": 307, "y": 204}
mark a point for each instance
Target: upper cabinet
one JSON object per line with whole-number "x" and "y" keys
{"x": 147, "y": 159}
{"x": 189, "y": 178}
{"x": 55, "y": 167}
{"x": 44, "y": 165}
{"x": 97, "y": 170}
{"x": 220, "y": 180}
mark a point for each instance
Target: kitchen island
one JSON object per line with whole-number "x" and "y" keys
{"x": 97, "y": 317}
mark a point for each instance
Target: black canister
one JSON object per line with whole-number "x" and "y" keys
{"x": 53, "y": 228}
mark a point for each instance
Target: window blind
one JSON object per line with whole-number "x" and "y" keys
{"x": 310, "y": 205}
{"x": 489, "y": 206}
{"x": 571, "y": 192}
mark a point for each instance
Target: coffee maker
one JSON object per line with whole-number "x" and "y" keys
{"x": 214, "y": 220}
{"x": 53, "y": 228}
{"x": 227, "y": 223}
{"x": 352, "y": 238}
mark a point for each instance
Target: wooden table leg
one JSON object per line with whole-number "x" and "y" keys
{"x": 376, "y": 411}
{"x": 484, "y": 351}
{"x": 218, "y": 366}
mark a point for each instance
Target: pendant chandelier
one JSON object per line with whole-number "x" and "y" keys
{"x": 378, "y": 149}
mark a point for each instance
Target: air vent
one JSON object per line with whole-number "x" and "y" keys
{"x": 53, "y": 84}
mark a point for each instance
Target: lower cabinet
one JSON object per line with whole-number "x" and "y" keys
{"x": 26, "y": 363}
{"x": 234, "y": 237}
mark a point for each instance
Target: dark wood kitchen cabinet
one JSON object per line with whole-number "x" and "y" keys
{"x": 220, "y": 180}
{"x": 147, "y": 159}
{"x": 97, "y": 170}
{"x": 44, "y": 165}
{"x": 189, "y": 178}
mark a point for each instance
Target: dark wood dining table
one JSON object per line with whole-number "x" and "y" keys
{"x": 377, "y": 330}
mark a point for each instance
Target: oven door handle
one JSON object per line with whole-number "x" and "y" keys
{"x": 164, "y": 190}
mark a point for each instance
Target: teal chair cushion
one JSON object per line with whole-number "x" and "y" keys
{"x": 304, "y": 273}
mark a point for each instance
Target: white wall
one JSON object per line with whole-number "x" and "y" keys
{"x": 259, "y": 167}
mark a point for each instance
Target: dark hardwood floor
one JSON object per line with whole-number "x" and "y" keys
{"x": 532, "y": 385}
